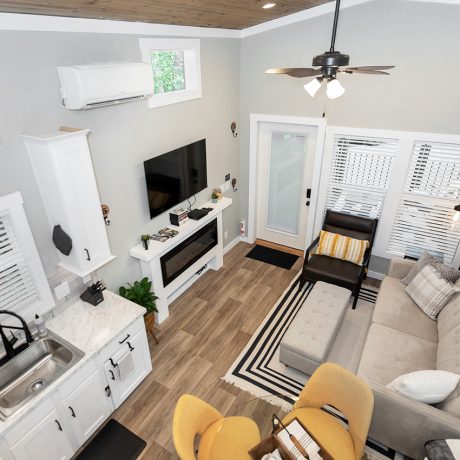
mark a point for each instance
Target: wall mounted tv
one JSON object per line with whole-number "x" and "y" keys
{"x": 175, "y": 176}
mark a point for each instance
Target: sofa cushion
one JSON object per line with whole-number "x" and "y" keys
{"x": 389, "y": 353}
{"x": 395, "y": 309}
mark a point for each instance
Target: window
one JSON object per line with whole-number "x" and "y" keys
{"x": 423, "y": 220}
{"x": 359, "y": 174}
{"x": 176, "y": 69}
{"x": 23, "y": 285}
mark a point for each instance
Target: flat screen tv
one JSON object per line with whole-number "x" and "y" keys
{"x": 175, "y": 176}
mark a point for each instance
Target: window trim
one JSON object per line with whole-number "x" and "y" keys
{"x": 13, "y": 204}
{"x": 192, "y": 64}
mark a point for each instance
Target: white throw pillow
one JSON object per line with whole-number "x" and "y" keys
{"x": 430, "y": 387}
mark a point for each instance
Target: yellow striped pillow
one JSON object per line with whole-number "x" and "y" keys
{"x": 342, "y": 247}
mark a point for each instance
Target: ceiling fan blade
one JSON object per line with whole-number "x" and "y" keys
{"x": 297, "y": 72}
{"x": 372, "y": 67}
{"x": 368, "y": 72}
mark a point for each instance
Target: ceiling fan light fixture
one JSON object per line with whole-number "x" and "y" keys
{"x": 267, "y": 6}
{"x": 334, "y": 89}
{"x": 313, "y": 86}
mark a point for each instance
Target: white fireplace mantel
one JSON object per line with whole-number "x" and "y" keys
{"x": 150, "y": 258}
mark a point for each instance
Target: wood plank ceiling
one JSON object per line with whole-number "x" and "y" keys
{"x": 231, "y": 14}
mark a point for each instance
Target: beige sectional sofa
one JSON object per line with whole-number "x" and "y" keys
{"x": 402, "y": 339}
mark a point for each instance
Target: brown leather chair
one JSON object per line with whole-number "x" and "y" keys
{"x": 336, "y": 271}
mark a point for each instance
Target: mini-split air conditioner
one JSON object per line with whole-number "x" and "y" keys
{"x": 89, "y": 86}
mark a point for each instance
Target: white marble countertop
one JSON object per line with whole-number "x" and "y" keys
{"x": 89, "y": 328}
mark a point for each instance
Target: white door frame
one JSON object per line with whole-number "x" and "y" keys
{"x": 255, "y": 120}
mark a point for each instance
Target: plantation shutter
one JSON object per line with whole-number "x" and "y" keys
{"x": 17, "y": 287}
{"x": 360, "y": 172}
{"x": 424, "y": 218}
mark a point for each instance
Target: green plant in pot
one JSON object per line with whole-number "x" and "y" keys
{"x": 140, "y": 293}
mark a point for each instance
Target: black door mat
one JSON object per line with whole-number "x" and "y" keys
{"x": 114, "y": 442}
{"x": 272, "y": 256}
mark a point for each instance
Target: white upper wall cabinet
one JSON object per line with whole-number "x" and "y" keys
{"x": 64, "y": 172}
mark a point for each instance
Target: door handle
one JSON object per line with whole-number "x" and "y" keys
{"x": 308, "y": 193}
{"x": 58, "y": 424}
{"x": 87, "y": 255}
{"x": 125, "y": 339}
{"x": 72, "y": 412}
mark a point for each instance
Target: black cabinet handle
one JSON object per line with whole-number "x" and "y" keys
{"x": 112, "y": 363}
{"x": 108, "y": 391}
{"x": 87, "y": 255}
{"x": 59, "y": 425}
{"x": 130, "y": 347}
{"x": 112, "y": 374}
{"x": 125, "y": 339}
{"x": 72, "y": 412}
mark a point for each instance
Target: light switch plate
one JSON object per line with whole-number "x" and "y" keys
{"x": 62, "y": 290}
{"x": 222, "y": 187}
{"x": 227, "y": 186}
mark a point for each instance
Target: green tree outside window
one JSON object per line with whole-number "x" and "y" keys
{"x": 168, "y": 71}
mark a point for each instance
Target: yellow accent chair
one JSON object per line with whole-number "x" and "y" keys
{"x": 221, "y": 438}
{"x": 335, "y": 386}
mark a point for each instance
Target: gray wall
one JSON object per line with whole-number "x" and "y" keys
{"x": 421, "y": 39}
{"x": 121, "y": 138}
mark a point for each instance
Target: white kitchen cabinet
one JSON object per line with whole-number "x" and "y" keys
{"x": 63, "y": 169}
{"x": 86, "y": 402}
{"x": 137, "y": 346}
{"x": 40, "y": 436}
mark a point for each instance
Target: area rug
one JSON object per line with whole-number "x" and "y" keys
{"x": 114, "y": 442}
{"x": 258, "y": 370}
{"x": 272, "y": 256}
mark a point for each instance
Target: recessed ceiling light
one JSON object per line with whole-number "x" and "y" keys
{"x": 267, "y": 6}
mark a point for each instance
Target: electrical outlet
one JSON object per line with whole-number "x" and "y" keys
{"x": 227, "y": 186}
{"x": 225, "y": 235}
{"x": 222, "y": 187}
{"x": 62, "y": 290}
{"x": 227, "y": 177}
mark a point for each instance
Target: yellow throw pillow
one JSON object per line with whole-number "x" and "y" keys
{"x": 342, "y": 247}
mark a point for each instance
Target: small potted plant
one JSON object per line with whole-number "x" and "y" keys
{"x": 140, "y": 293}
{"x": 216, "y": 195}
{"x": 145, "y": 241}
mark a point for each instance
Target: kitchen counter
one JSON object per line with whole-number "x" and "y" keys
{"x": 89, "y": 328}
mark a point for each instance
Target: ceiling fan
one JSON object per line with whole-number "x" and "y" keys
{"x": 329, "y": 64}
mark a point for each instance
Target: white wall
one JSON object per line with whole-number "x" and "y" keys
{"x": 121, "y": 138}
{"x": 420, "y": 39}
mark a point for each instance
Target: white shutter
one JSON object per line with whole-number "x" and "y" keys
{"x": 360, "y": 172}
{"x": 423, "y": 221}
{"x": 17, "y": 287}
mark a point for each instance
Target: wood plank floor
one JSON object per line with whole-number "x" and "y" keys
{"x": 208, "y": 327}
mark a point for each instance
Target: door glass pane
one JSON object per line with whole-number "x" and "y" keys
{"x": 287, "y": 159}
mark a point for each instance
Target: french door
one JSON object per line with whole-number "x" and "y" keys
{"x": 285, "y": 164}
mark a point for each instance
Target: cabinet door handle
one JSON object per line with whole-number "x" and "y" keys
{"x": 108, "y": 391}
{"x": 72, "y": 412}
{"x": 59, "y": 425}
{"x": 87, "y": 255}
{"x": 112, "y": 374}
{"x": 130, "y": 347}
{"x": 125, "y": 339}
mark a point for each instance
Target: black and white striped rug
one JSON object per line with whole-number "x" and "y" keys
{"x": 259, "y": 371}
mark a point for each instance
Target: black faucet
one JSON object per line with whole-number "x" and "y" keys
{"x": 11, "y": 352}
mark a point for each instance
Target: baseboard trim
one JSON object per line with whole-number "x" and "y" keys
{"x": 232, "y": 244}
{"x": 376, "y": 275}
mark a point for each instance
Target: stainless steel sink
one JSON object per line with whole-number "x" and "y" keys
{"x": 44, "y": 361}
